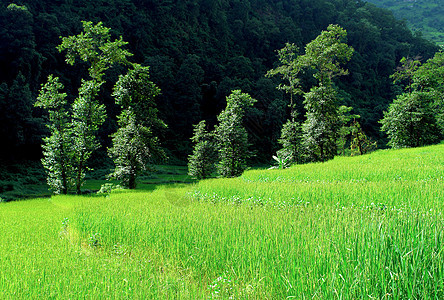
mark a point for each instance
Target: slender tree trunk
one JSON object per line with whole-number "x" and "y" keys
{"x": 79, "y": 174}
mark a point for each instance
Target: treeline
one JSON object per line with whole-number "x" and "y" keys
{"x": 198, "y": 52}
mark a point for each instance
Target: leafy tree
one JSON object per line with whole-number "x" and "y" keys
{"x": 95, "y": 47}
{"x": 134, "y": 144}
{"x": 291, "y": 141}
{"x": 289, "y": 70}
{"x": 87, "y": 116}
{"x": 324, "y": 55}
{"x": 231, "y": 136}
{"x": 131, "y": 149}
{"x": 57, "y": 148}
{"x": 410, "y": 121}
{"x": 201, "y": 164}
{"x": 360, "y": 143}
{"x": 346, "y": 126}
{"x": 413, "y": 119}
{"x": 430, "y": 78}
{"x": 321, "y": 128}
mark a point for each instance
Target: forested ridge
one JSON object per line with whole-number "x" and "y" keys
{"x": 198, "y": 52}
{"x": 426, "y": 16}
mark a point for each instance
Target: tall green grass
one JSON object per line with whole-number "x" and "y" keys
{"x": 361, "y": 227}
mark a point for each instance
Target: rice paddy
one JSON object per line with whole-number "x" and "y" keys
{"x": 352, "y": 228}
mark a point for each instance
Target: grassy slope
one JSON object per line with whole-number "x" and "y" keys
{"x": 360, "y": 227}
{"x": 426, "y": 16}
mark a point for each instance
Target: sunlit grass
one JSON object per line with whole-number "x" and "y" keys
{"x": 353, "y": 228}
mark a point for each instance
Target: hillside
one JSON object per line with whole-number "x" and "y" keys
{"x": 198, "y": 52}
{"x": 351, "y": 228}
{"x": 426, "y": 16}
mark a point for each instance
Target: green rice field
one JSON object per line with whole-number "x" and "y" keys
{"x": 367, "y": 227}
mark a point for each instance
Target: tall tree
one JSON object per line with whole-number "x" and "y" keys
{"x": 134, "y": 143}
{"x": 201, "y": 164}
{"x": 231, "y": 135}
{"x": 95, "y": 47}
{"x": 57, "y": 148}
{"x": 324, "y": 55}
{"x": 291, "y": 137}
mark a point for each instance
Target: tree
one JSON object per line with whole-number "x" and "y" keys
{"x": 360, "y": 143}
{"x": 347, "y": 126}
{"x": 134, "y": 144}
{"x": 201, "y": 164}
{"x": 430, "y": 78}
{"x": 95, "y": 47}
{"x": 321, "y": 128}
{"x": 291, "y": 141}
{"x": 231, "y": 136}
{"x": 414, "y": 117}
{"x": 291, "y": 138}
{"x": 410, "y": 121}
{"x": 87, "y": 116}
{"x": 57, "y": 148}
{"x": 324, "y": 55}
{"x": 289, "y": 71}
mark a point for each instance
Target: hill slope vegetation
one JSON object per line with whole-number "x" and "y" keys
{"x": 198, "y": 52}
{"x": 426, "y": 16}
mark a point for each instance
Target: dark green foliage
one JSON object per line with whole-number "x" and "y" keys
{"x": 23, "y": 179}
{"x": 425, "y": 16}
{"x": 415, "y": 117}
{"x": 131, "y": 149}
{"x": 231, "y": 136}
{"x": 87, "y": 116}
{"x": 58, "y": 148}
{"x": 291, "y": 141}
{"x": 411, "y": 121}
{"x": 201, "y": 164}
{"x": 321, "y": 128}
{"x": 360, "y": 143}
{"x": 347, "y": 126}
{"x": 134, "y": 144}
{"x": 95, "y": 47}
{"x": 18, "y": 123}
{"x": 325, "y": 54}
{"x": 200, "y": 51}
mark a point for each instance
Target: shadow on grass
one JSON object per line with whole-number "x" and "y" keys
{"x": 25, "y": 184}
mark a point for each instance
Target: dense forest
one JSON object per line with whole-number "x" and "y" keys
{"x": 198, "y": 52}
{"x": 426, "y": 16}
